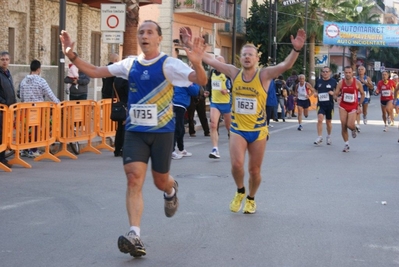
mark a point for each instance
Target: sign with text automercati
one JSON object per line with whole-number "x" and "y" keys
{"x": 113, "y": 17}
{"x": 360, "y": 34}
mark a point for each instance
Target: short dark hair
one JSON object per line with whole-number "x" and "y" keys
{"x": 35, "y": 65}
{"x": 159, "y": 30}
{"x": 3, "y": 53}
{"x": 280, "y": 77}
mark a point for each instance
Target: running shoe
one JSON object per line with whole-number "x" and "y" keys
{"x": 32, "y": 154}
{"x": 172, "y": 203}
{"x": 346, "y": 148}
{"x": 392, "y": 123}
{"x": 23, "y": 153}
{"x": 176, "y": 155}
{"x": 358, "y": 128}
{"x": 300, "y": 128}
{"x": 249, "y": 207}
{"x": 385, "y": 128}
{"x": 235, "y": 204}
{"x": 364, "y": 120}
{"x": 354, "y": 133}
{"x": 214, "y": 154}
{"x": 132, "y": 244}
{"x": 389, "y": 121}
{"x": 328, "y": 140}
{"x": 184, "y": 153}
{"x": 318, "y": 141}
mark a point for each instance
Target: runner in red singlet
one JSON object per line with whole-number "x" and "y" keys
{"x": 386, "y": 87}
{"x": 349, "y": 105}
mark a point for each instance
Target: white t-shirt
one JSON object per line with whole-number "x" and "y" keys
{"x": 175, "y": 70}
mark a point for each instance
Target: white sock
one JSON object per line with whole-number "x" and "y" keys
{"x": 347, "y": 143}
{"x": 171, "y": 194}
{"x": 135, "y": 229}
{"x": 215, "y": 147}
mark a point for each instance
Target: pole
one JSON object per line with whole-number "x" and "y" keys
{"x": 233, "y": 52}
{"x": 61, "y": 61}
{"x": 275, "y": 32}
{"x": 270, "y": 32}
{"x": 306, "y": 29}
{"x": 343, "y": 58}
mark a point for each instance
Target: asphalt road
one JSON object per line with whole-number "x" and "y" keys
{"x": 317, "y": 206}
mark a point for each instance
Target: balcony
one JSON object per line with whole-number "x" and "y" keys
{"x": 227, "y": 28}
{"x": 97, "y": 3}
{"x": 213, "y": 11}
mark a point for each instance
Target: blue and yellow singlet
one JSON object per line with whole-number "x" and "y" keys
{"x": 249, "y": 104}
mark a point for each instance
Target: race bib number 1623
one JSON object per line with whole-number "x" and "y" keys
{"x": 245, "y": 105}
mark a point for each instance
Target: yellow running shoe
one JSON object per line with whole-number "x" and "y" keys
{"x": 235, "y": 204}
{"x": 249, "y": 207}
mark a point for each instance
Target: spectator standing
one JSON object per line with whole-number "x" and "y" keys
{"x": 291, "y": 82}
{"x": 271, "y": 102}
{"x": 108, "y": 82}
{"x": 79, "y": 87}
{"x": 290, "y": 103}
{"x": 181, "y": 100}
{"x": 198, "y": 103}
{"x": 7, "y": 95}
{"x": 34, "y": 88}
{"x": 73, "y": 73}
{"x": 122, "y": 88}
{"x": 281, "y": 93}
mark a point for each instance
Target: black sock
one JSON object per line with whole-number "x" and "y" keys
{"x": 251, "y": 198}
{"x": 241, "y": 190}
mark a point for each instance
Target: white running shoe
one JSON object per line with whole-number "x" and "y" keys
{"x": 214, "y": 154}
{"x": 364, "y": 120}
{"x": 385, "y": 128}
{"x": 329, "y": 142}
{"x": 184, "y": 153}
{"x": 176, "y": 155}
{"x": 318, "y": 141}
{"x": 346, "y": 148}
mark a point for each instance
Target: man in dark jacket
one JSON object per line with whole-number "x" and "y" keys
{"x": 7, "y": 94}
{"x": 79, "y": 86}
{"x": 106, "y": 90}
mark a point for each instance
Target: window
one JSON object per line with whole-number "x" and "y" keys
{"x": 96, "y": 48}
{"x": 11, "y": 44}
{"x": 54, "y": 50}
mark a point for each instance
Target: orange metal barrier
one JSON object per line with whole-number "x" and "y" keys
{"x": 77, "y": 123}
{"x": 5, "y": 131}
{"x": 105, "y": 126}
{"x": 33, "y": 129}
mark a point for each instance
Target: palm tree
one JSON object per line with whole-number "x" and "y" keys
{"x": 130, "y": 34}
{"x": 291, "y": 23}
{"x": 346, "y": 11}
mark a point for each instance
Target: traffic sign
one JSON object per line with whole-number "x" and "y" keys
{"x": 112, "y": 37}
{"x": 377, "y": 65}
{"x": 113, "y": 17}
